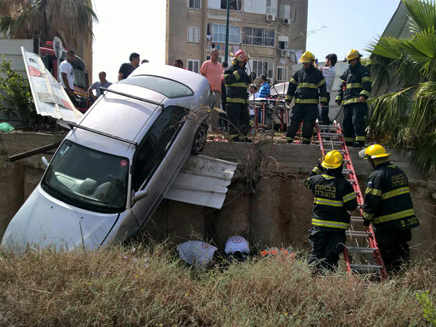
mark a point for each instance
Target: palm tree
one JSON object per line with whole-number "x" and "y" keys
{"x": 406, "y": 118}
{"x": 71, "y": 20}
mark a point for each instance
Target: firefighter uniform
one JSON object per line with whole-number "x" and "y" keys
{"x": 333, "y": 196}
{"x": 305, "y": 87}
{"x": 356, "y": 82}
{"x": 388, "y": 205}
{"x": 236, "y": 81}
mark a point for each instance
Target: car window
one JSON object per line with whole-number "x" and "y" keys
{"x": 146, "y": 161}
{"x": 87, "y": 178}
{"x": 167, "y": 87}
{"x": 165, "y": 129}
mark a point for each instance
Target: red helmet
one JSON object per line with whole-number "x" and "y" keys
{"x": 241, "y": 56}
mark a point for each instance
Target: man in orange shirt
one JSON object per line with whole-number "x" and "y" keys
{"x": 213, "y": 70}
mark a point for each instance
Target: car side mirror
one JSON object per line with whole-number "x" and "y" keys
{"x": 139, "y": 195}
{"x": 45, "y": 161}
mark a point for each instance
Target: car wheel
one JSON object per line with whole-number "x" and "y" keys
{"x": 199, "y": 140}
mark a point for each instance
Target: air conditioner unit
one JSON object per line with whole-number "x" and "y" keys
{"x": 271, "y": 18}
{"x": 283, "y": 53}
{"x": 286, "y": 21}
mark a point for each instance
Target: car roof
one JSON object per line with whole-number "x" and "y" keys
{"x": 190, "y": 79}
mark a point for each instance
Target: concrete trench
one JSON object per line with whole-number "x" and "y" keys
{"x": 276, "y": 214}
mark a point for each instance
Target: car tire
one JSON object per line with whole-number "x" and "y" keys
{"x": 199, "y": 139}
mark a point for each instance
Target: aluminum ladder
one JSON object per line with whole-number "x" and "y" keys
{"x": 363, "y": 255}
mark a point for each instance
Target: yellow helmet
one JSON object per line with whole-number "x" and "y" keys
{"x": 307, "y": 57}
{"x": 332, "y": 160}
{"x": 376, "y": 151}
{"x": 353, "y": 54}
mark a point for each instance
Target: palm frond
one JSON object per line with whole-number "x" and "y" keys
{"x": 422, "y": 49}
{"x": 425, "y": 154}
{"x": 422, "y": 119}
{"x": 387, "y": 47}
{"x": 422, "y": 13}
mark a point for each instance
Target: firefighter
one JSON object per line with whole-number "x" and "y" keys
{"x": 305, "y": 87}
{"x": 388, "y": 206}
{"x": 353, "y": 93}
{"x": 236, "y": 81}
{"x": 333, "y": 196}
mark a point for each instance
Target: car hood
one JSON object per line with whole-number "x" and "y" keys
{"x": 44, "y": 221}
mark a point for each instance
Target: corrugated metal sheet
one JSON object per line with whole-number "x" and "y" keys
{"x": 203, "y": 181}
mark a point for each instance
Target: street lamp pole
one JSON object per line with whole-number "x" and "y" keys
{"x": 226, "y": 55}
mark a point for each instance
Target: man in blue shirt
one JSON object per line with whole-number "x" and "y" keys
{"x": 96, "y": 86}
{"x": 264, "y": 90}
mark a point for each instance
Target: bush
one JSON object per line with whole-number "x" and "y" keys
{"x": 15, "y": 96}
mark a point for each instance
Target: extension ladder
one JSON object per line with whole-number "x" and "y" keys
{"x": 362, "y": 238}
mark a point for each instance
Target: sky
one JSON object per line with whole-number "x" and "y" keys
{"x": 334, "y": 26}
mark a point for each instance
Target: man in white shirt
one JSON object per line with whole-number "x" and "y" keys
{"x": 329, "y": 75}
{"x": 237, "y": 247}
{"x": 66, "y": 74}
{"x": 197, "y": 254}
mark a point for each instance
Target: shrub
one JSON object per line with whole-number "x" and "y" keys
{"x": 15, "y": 96}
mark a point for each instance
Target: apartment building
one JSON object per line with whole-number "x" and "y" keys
{"x": 272, "y": 32}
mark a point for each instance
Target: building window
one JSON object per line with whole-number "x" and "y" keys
{"x": 234, "y": 4}
{"x": 194, "y": 4}
{"x": 263, "y": 67}
{"x": 261, "y": 6}
{"x": 271, "y": 7}
{"x": 283, "y": 45}
{"x": 259, "y": 36}
{"x": 194, "y": 65}
{"x": 193, "y": 34}
{"x": 282, "y": 73}
{"x": 219, "y": 34}
{"x": 285, "y": 11}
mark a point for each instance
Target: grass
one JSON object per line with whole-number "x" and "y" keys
{"x": 150, "y": 287}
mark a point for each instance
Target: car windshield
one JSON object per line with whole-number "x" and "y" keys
{"x": 87, "y": 178}
{"x": 167, "y": 87}
{"x": 80, "y": 78}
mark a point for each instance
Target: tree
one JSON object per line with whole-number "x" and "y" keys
{"x": 71, "y": 20}
{"x": 406, "y": 118}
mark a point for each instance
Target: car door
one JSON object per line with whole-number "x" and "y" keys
{"x": 174, "y": 139}
{"x": 152, "y": 170}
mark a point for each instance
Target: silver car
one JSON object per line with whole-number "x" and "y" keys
{"x": 115, "y": 166}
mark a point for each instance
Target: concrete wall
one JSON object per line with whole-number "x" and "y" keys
{"x": 278, "y": 212}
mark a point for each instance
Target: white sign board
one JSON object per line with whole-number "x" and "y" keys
{"x": 49, "y": 96}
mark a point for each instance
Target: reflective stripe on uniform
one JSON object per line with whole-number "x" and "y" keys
{"x": 237, "y": 85}
{"x": 394, "y": 216}
{"x": 368, "y": 216}
{"x": 225, "y": 75}
{"x": 349, "y": 197}
{"x": 364, "y": 92}
{"x": 350, "y": 101}
{"x": 236, "y": 100}
{"x": 323, "y": 99}
{"x": 400, "y": 191}
{"x": 360, "y": 138}
{"x": 236, "y": 75}
{"x": 373, "y": 191}
{"x": 354, "y": 86}
{"x": 338, "y": 98}
{"x": 307, "y": 85}
{"x": 328, "y": 223}
{"x": 366, "y": 79}
{"x": 306, "y": 101}
{"x": 328, "y": 176}
{"x": 326, "y": 202}
{"x": 293, "y": 81}
{"x": 321, "y": 83}
{"x": 317, "y": 170}
{"x": 288, "y": 97}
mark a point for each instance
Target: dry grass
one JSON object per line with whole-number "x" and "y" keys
{"x": 149, "y": 287}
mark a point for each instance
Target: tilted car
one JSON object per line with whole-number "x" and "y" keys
{"x": 115, "y": 166}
